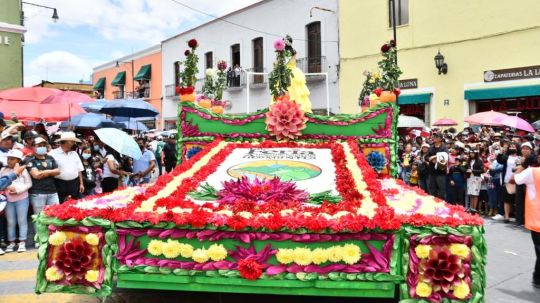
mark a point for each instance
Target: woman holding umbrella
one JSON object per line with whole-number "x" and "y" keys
{"x": 111, "y": 170}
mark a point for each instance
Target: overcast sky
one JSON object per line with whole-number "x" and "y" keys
{"x": 91, "y": 32}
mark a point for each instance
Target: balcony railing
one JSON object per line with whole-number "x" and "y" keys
{"x": 118, "y": 94}
{"x": 170, "y": 91}
{"x": 236, "y": 83}
{"x": 313, "y": 65}
{"x": 257, "y": 81}
{"x": 143, "y": 93}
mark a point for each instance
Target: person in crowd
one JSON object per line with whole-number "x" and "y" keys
{"x": 230, "y": 77}
{"x": 6, "y": 181}
{"x": 6, "y": 144}
{"x": 157, "y": 154}
{"x": 89, "y": 171}
{"x": 28, "y": 142}
{"x": 437, "y": 169}
{"x": 494, "y": 183}
{"x": 475, "y": 169}
{"x": 527, "y": 159}
{"x": 509, "y": 159}
{"x": 99, "y": 148}
{"x": 111, "y": 171}
{"x": 237, "y": 73}
{"x": 69, "y": 183}
{"x": 457, "y": 182}
{"x": 423, "y": 167}
{"x": 17, "y": 206}
{"x": 405, "y": 160}
{"x": 413, "y": 179}
{"x": 169, "y": 154}
{"x": 143, "y": 167}
{"x": 130, "y": 179}
{"x": 40, "y": 129}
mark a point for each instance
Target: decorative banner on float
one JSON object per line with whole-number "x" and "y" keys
{"x": 515, "y": 73}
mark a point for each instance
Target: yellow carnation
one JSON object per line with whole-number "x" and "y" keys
{"x": 217, "y": 252}
{"x": 335, "y": 253}
{"x": 91, "y": 276}
{"x": 319, "y": 256}
{"x": 462, "y": 290}
{"x": 460, "y": 250}
{"x": 171, "y": 249}
{"x": 58, "y": 238}
{"x": 155, "y": 247}
{"x": 285, "y": 255}
{"x": 423, "y": 290}
{"x": 53, "y": 274}
{"x": 92, "y": 239}
{"x": 186, "y": 250}
{"x": 302, "y": 256}
{"x": 200, "y": 255}
{"x": 422, "y": 251}
{"x": 351, "y": 253}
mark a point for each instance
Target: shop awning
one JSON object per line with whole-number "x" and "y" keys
{"x": 422, "y": 98}
{"x": 144, "y": 73}
{"x": 100, "y": 84}
{"x": 120, "y": 79}
{"x": 502, "y": 92}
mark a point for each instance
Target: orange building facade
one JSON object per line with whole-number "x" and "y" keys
{"x": 135, "y": 76}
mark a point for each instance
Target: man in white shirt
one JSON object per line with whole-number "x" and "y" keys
{"x": 69, "y": 183}
{"x": 143, "y": 167}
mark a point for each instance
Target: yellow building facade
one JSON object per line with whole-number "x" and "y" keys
{"x": 491, "y": 48}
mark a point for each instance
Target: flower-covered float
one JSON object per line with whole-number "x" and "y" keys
{"x": 315, "y": 212}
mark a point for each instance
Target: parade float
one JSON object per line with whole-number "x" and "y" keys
{"x": 279, "y": 201}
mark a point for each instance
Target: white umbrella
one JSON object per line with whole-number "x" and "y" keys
{"x": 119, "y": 141}
{"x": 409, "y": 121}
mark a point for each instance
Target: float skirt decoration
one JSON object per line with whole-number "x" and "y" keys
{"x": 247, "y": 214}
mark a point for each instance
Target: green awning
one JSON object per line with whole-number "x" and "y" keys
{"x": 502, "y": 92}
{"x": 100, "y": 84}
{"x": 144, "y": 73}
{"x": 120, "y": 79}
{"x": 422, "y": 98}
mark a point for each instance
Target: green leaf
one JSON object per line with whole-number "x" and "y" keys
{"x": 206, "y": 192}
{"x": 319, "y": 198}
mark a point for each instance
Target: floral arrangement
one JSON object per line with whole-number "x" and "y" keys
{"x": 285, "y": 119}
{"x": 280, "y": 77}
{"x": 221, "y": 80}
{"x": 377, "y": 161}
{"x": 261, "y": 191}
{"x": 189, "y": 74}
{"x": 348, "y": 253}
{"x": 172, "y": 249}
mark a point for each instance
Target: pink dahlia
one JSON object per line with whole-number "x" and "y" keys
{"x": 222, "y": 65}
{"x": 442, "y": 269}
{"x": 285, "y": 119}
{"x": 261, "y": 191}
{"x": 279, "y": 44}
{"x": 74, "y": 258}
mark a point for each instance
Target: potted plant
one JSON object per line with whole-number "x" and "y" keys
{"x": 188, "y": 75}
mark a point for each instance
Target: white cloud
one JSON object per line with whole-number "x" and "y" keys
{"x": 57, "y": 66}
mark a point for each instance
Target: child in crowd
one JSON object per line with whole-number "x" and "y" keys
{"x": 413, "y": 179}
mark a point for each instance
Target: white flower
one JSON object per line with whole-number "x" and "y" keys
{"x": 210, "y": 72}
{"x": 340, "y": 214}
{"x": 179, "y": 210}
{"x": 286, "y": 212}
{"x": 245, "y": 214}
{"x": 225, "y": 212}
{"x": 265, "y": 215}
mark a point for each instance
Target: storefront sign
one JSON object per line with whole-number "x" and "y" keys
{"x": 521, "y": 105}
{"x": 512, "y": 73}
{"x": 408, "y": 83}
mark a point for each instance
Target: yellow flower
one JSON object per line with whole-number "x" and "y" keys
{"x": 285, "y": 255}
{"x": 319, "y": 256}
{"x": 376, "y": 75}
{"x": 423, "y": 290}
{"x": 462, "y": 290}
{"x": 422, "y": 251}
{"x": 335, "y": 253}
{"x": 92, "y": 239}
{"x": 200, "y": 255}
{"x": 302, "y": 256}
{"x": 58, "y": 238}
{"x": 53, "y": 274}
{"x": 217, "y": 252}
{"x": 171, "y": 249}
{"x": 460, "y": 250}
{"x": 155, "y": 247}
{"x": 371, "y": 81}
{"x": 91, "y": 276}
{"x": 245, "y": 214}
{"x": 225, "y": 212}
{"x": 186, "y": 250}
{"x": 351, "y": 253}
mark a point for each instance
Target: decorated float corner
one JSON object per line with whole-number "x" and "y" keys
{"x": 280, "y": 201}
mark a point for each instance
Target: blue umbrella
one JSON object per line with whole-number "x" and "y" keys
{"x": 89, "y": 120}
{"x": 130, "y": 123}
{"x": 94, "y": 107}
{"x": 119, "y": 141}
{"x": 132, "y": 108}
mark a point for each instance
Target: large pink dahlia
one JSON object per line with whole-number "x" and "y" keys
{"x": 285, "y": 119}
{"x": 442, "y": 269}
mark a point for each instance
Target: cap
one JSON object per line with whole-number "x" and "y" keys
{"x": 5, "y": 135}
{"x": 15, "y": 153}
{"x": 496, "y": 135}
{"x": 527, "y": 144}
{"x": 39, "y": 140}
{"x": 425, "y": 145}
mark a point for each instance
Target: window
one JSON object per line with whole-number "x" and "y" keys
{"x": 236, "y": 67}
{"x": 209, "y": 60}
{"x": 314, "y": 47}
{"x": 402, "y": 12}
{"x": 258, "y": 62}
{"x": 177, "y": 73}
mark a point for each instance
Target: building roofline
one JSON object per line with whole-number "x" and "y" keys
{"x": 217, "y": 19}
{"x": 142, "y": 53}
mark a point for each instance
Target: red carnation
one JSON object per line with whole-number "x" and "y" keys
{"x": 178, "y": 89}
{"x": 393, "y": 43}
{"x": 385, "y": 48}
{"x": 187, "y": 52}
{"x": 249, "y": 269}
{"x": 192, "y": 43}
{"x": 397, "y": 91}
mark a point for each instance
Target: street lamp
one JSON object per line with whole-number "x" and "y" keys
{"x": 54, "y": 15}
{"x": 439, "y": 63}
{"x": 132, "y": 76}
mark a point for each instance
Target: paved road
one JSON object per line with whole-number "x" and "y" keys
{"x": 510, "y": 263}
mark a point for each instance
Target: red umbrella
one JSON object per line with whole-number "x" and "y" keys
{"x": 67, "y": 97}
{"x": 485, "y": 118}
{"x": 445, "y": 122}
{"x": 34, "y": 94}
{"x": 28, "y": 110}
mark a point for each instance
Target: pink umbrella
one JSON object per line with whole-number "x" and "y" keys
{"x": 516, "y": 122}
{"x": 445, "y": 122}
{"x": 485, "y": 118}
{"x": 34, "y": 94}
{"x": 33, "y": 111}
{"x": 67, "y": 97}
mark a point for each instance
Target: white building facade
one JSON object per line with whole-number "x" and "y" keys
{"x": 245, "y": 37}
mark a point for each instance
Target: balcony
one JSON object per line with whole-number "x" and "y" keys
{"x": 237, "y": 83}
{"x": 313, "y": 65}
{"x": 170, "y": 91}
{"x": 257, "y": 81}
{"x": 143, "y": 91}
